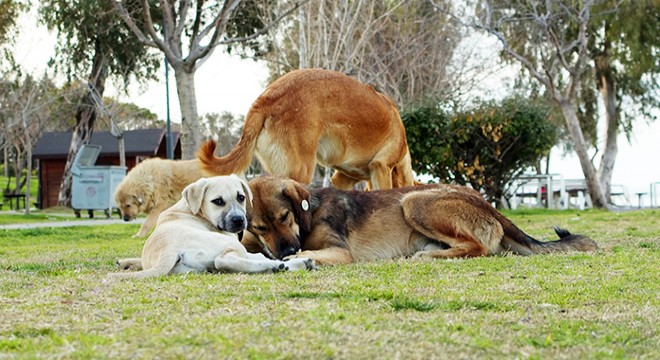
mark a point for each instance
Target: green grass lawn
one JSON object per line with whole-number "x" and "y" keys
{"x": 10, "y": 183}
{"x": 56, "y": 301}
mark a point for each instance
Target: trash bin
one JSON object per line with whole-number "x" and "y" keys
{"x": 93, "y": 187}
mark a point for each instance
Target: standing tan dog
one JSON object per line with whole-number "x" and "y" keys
{"x": 319, "y": 115}
{"x": 152, "y": 186}
{"x": 198, "y": 234}
{"x": 333, "y": 226}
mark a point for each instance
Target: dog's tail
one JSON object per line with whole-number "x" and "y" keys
{"x": 240, "y": 157}
{"x": 522, "y": 244}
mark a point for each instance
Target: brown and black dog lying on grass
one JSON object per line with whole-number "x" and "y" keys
{"x": 334, "y": 226}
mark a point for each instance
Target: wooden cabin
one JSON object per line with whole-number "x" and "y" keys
{"x": 53, "y": 148}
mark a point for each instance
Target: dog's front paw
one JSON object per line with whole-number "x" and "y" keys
{"x": 280, "y": 267}
{"x": 301, "y": 264}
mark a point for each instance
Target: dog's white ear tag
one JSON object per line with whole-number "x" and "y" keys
{"x": 305, "y": 205}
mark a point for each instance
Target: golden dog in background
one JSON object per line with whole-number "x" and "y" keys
{"x": 152, "y": 186}
{"x": 332, "y": 226}
{"x": 315, "y": 115}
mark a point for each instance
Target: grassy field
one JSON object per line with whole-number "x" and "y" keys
{"x": 56, "y": 301}
{"x": 10, "y": 184}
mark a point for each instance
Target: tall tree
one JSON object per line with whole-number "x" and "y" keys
{"x": 392, "y": 45}
{"x": 576, "y": 49}
{"x": 26, "y": 105}
{"x": 9, "y": 11}
{"x": 91, "y": 42}
{"x": 623, "y": 47}
{"x": 540, "y": 37}
{"x": 188, "y": 35}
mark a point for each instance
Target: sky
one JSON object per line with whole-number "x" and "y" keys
{"x": 228, "y": 83}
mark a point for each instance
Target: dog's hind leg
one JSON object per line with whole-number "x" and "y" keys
{"x": 453, "y": 219}
{"x": 381, "y": 175}
{"x": 149, "y": 223}
{"x": 166, "y": 262}
{"x": 134, "y": 264}
{"x": 257, "y": 263}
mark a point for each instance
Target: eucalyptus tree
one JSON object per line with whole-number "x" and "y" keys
{"x": 92, "y": 44}
{"x": 575, "y": 48}
{"x": 188, "y": 32}
{"x": 623, "y": 47}
{"x": 404, "y": 48}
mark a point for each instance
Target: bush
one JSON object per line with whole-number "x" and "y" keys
{"x": 486, "y": 146}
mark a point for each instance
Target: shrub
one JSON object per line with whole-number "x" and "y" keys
{"x": 485, "y": 147}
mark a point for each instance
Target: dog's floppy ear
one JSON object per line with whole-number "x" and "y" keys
{"x": 246, "y": 189}
{"x": 194, "y": 195}
{"x": 299, "y": 197}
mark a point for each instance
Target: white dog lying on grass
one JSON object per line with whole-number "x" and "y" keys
{"x": 199, "y": 234}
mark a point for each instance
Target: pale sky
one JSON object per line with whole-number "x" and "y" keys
{"x": 227, "y": 83}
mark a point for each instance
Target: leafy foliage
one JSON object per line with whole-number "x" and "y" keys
{"x": 9, "y": 10}
{"x": 624, "y": 48}
{"x": 485, "y": 147}
{"x": 89, "y": 28}
{"x": 250, "y": 17}
{"x": 129, "y": 116}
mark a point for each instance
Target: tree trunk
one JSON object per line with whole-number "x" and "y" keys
{"x": 5, "y": 151}
{"x": 607, "y": 87}
{"x": 191, "y": 133}
{"x": 122, "y": 151}
{"x": 18, "y": 169}
{"x": 28, "y": 176}
{"x": 85, "y": 118}
{"x": 569, "y": 110}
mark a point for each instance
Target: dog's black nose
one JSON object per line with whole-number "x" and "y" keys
{"x": 234, "y": 223}
{"x": 287, "y": 250}
{"x": 126, "y": 218}
{"x": 237, "y": 221}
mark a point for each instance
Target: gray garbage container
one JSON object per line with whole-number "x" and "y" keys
{"x": 93, "y": 187}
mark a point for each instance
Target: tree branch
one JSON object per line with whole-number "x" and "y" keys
{"x": 183, "y": 13}
{"x": 220, "y": 29}
{"x": 123, "y": 13}
{"x": 265, "y": 29}
{"x": 219, "y": 25}
{"x": 153, "y": 40}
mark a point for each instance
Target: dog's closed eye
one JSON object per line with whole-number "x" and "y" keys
{"x": 260, "y": 229}
{"x": 218, "y": 202}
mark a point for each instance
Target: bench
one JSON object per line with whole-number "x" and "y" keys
{"x": 18, "y": 197}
